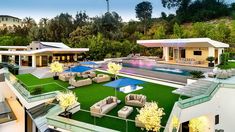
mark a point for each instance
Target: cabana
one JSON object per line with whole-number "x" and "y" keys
{"x": 190, "y": 51}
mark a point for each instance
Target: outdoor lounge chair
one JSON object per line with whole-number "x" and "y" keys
{"x": 101, "y": 78}
{"x": 104, "y": 106}
{"x": 135, "y": 100}
{"x": 79, "y": 83}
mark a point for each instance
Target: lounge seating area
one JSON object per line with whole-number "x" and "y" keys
{"x": 104, "y": 106}
{"x": 221, "y": 74}
{"x": 86, "y": 78}
{"x": 191, "y": 61}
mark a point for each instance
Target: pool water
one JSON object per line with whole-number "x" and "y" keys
{"x": 151, "y": 65}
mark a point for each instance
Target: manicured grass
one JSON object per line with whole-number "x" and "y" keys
{"x": 228, "y": 66}
{"x": 47, "y": 84}
{"x": 89, "y": 95}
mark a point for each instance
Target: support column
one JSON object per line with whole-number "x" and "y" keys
{"x": 0, "y": 58}
{"x": 76, "y": 57}
{"x": 211, "y": 51}
{"x": 13, "y": 58}
{"x": 166, "y": 53}
{"x": 220, "y": 51}
{"x": 19, "y": 60}
{"x": 33, "y": 61}
{"x": 40, "y": 60}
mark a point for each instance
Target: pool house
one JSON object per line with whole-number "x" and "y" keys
{"x": 190, "y": 52}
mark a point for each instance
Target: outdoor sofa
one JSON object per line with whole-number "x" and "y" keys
{"x": 87, "y": 74}
{"x": 135, "y": 100}
{"x": 79, "y": 83}
{"x": 104, "y": 106}
{"x": 101, "y": 78}
{"x": 64, "y": 77}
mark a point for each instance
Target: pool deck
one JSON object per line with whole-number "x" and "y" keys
{"x": 159, "y": 76}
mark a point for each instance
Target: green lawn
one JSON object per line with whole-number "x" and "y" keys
{"x": 89, "y": 95}
{"x": 47, "y": 84}
{"x": 228, "y": 66}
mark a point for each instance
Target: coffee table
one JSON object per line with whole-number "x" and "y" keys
{"x": 125, "y": 111}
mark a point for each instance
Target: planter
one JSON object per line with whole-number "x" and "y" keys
{"x": 56, "y": 77}
{"x": 66, "y": 115}
{"x": 211, "y": 64}
{"x": 112, "y": 78}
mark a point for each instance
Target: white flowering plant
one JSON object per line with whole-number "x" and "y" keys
{"x": 114, "y": 68}
{"x": 150, "y": 115}
{"x": 66, "y": 99}
{"x": 175, "y": 122}
{"x": 197, "y": 125}
{"x": 56, "y": 67}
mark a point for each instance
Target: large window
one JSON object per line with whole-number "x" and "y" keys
{"x": 197, "y": 52}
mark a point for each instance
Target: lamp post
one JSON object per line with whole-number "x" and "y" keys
{"x": 107, "y": 5}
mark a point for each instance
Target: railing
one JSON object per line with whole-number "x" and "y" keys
{"x": 199, "y": 99}
{"x": 14, "y": 82}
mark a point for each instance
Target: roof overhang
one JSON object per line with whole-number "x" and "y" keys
{"x": 13, "y": 47}
{"x": 46, "y": 50}
{"x": 190, "y": 42}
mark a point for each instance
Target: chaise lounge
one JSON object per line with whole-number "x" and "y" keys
{"x": 101, "y": 78}
{"x": 102, "y": 107}
{"x": 79, "y": 83}
{"x": 138, "y": 100}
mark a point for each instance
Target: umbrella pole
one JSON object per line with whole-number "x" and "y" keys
{"x": 115, "y": 92}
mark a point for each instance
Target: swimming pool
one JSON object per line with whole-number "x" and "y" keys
{"x": 151, "y": 65}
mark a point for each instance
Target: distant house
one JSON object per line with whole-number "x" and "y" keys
{"x": 7, "y": 21}
{"x": 38, "y": 54}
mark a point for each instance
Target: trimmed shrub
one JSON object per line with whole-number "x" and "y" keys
{"x": 197, "y": 74}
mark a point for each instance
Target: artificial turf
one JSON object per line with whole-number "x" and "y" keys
{"x": 47, "y": 84}
{"x": 89, "y": 95}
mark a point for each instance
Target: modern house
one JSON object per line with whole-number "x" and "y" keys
{"x": 190, "y": 51}
{"x": 39, "y": 54}
{"x": 7, "y": 21}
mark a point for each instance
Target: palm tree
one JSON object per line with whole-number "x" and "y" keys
{"x": 29, "y": 22}
{"x": 44, "y": 21}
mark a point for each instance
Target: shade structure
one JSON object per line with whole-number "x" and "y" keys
{"x": 122, "y": 83}
{"x": 79, "y": 69}
{"x": 88, "y": 63}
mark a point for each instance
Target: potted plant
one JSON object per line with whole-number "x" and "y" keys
{"x": 66, "y": 100}
{"x": 210, "y": 59}
{"x": 56, "y": 68}
{"x": 150, "y": 116}
{"x": 114, "y": 69}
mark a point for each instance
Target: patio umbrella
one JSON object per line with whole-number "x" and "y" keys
{"x": 122, "y": 83}
{"x": 79, "y": 69}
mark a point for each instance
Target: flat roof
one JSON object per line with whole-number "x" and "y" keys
{"x": 46, "y": 50}
{"x": 188, "y": 42}
{"x": 13, "y": 47}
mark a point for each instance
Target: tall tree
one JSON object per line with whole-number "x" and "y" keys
{"x": 29, "y": 22}
{"x": 144, "y": 13}
{"x": 81, "y": 19}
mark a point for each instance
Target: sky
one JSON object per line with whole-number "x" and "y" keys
{"x": 50, "y": 8}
